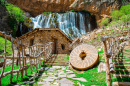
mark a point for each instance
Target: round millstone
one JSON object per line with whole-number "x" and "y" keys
{"x": 83, "y": 57}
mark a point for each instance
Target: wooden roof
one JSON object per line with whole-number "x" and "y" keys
{"x": 45, "y": 29}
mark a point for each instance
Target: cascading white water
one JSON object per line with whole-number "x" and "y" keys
{"x": 73, "y": 24}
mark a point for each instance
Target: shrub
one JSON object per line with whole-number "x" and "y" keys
{"x": 125, "y": 18}
{"x": 125, "y": 9}
{"x": 116, "y": 15}
{"x": 104, "y": 22}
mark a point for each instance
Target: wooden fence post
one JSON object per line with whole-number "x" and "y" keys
{"x": 108, "y": 76}
{"x": 22, "y": 59}
{"x": 12, "y": 61}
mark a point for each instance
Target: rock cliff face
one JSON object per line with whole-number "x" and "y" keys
{"x": 4, "y": 20}
{"x": 95, "y": 7}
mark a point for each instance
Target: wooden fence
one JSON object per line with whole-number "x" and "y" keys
{"x": 111, "y": 50}
{"x": 26, "y": 57}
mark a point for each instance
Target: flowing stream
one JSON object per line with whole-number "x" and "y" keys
{"x": 73, "y": 24}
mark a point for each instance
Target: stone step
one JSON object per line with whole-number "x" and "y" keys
{"x": 121, "y": 63}
{"x": 121, "y": 75}
{"x": 124, "y": 70}
{"x": 121, "y": 84}
{"x": 122, "y": 59}
{"x": 128, "y": 66}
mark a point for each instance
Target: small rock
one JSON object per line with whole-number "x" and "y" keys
{"x": 99, "y": 49}
{"x": 102, "y": 67}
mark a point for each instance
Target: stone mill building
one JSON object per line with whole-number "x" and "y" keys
{"x": 60, "y": 40}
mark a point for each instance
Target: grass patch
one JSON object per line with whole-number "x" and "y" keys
{"x": 20, "y": 79}
{"x": 2, "y": 45}
{"x": 92, "y": 76}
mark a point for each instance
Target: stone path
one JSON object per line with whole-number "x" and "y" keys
{"x": 54, "y": 76}
{"x": 58, "y": 76}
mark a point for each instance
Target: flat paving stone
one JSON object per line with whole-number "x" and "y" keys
{"x": 48, "y": 79}
{"x": 71, "y": 75}
{"x": 62, "y": 72}
{"x": 57, "y": 67}
{"x": 80, "y": 79}
{"x": 68, "y": 70}
{"x": 30, "y": 82}
{"x": 56, "y": 83}
{"x": 43, "y": 83}
{"x": 53, "y": 77}
{"x": 61, "y": 76}
{"x": 66, "y": 82}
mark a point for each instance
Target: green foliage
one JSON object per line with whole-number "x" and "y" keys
{"x": 125, "y": 9}
{"x": 125, "y": 18}
{"x": 2, "y": 2}
{"x": 116, "y": 15}
{"x": 104, "y": 22}
{"x": 46, "y": 13}
{"x": 15, "y": 13}
{"x": 69, "y": 11}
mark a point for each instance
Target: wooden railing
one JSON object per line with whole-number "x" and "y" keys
{"x": 36, "y": 54}
{"x": 111, "y": 49}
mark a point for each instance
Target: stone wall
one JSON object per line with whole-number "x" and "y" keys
{"x": 44, "y": 36}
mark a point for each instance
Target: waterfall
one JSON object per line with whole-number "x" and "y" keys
{"x": 73, "y": 24}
